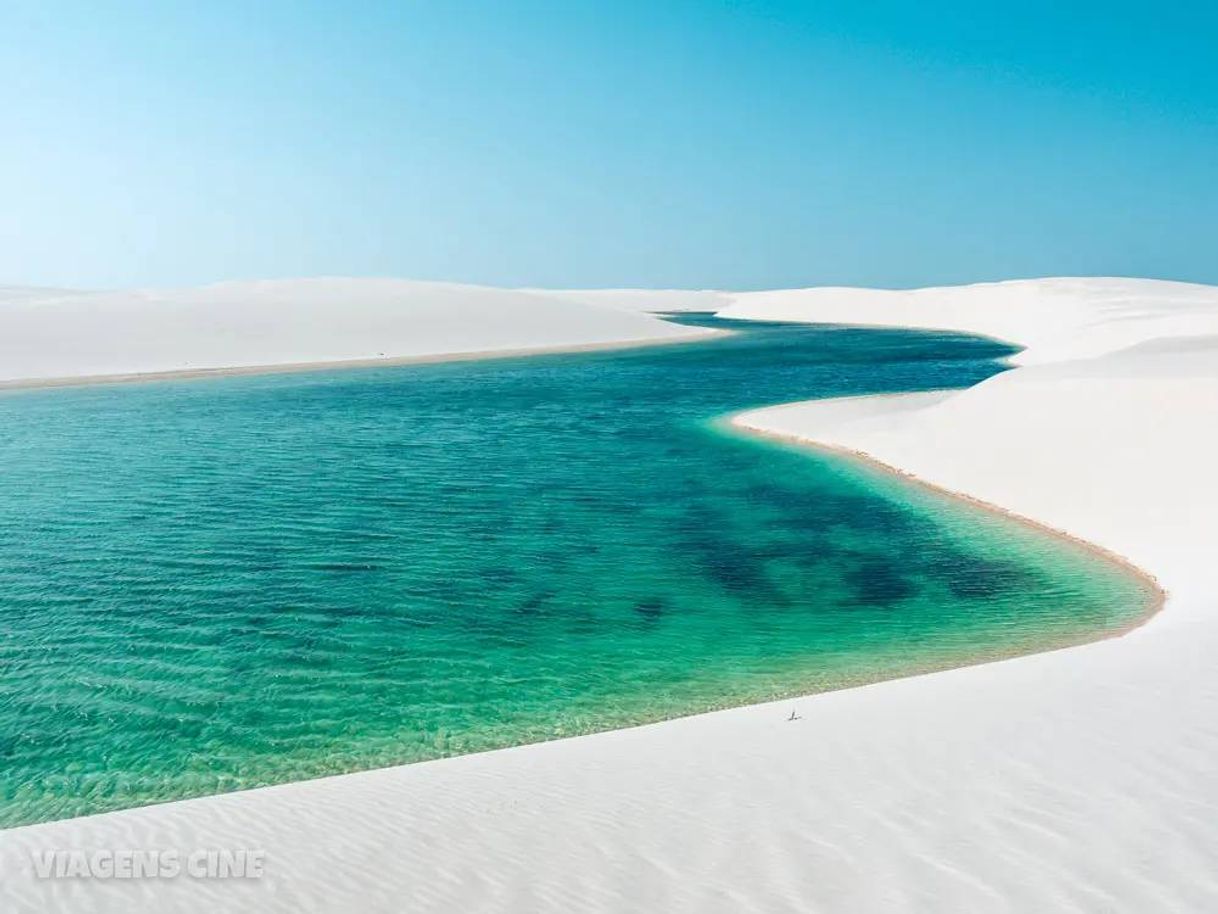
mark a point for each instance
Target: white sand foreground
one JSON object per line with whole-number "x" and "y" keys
{"x": 1082, "y": 780}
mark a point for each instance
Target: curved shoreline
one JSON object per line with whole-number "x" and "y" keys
{"x": 980, "y": 653}
{"x": 1157, "y": 595}
{"x": 731, "y": 423}
{"x": 191, "y": 374}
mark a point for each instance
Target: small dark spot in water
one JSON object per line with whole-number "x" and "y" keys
{"x": 805, "y": 551}
{"x": 733, "y": 570}
{"x": 343, "y": 567}
{"x": 879, "y": 583}
{"x": 974, "y": 578}
{"x": 650, "y": 609}
{"x": 535, "y": 603}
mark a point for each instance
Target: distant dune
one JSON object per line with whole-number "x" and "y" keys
{"x": 52, "y": 334}
{"x": 1056, "y": 319}
{"x": 644, "y": 299}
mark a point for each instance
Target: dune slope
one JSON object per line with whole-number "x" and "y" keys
{"x": 291, "y": 322}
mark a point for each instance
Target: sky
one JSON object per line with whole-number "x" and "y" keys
{"x": 735, "y": 145}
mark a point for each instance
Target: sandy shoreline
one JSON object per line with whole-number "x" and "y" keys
{"x": 1156, "y": 596}
{"x": 187, "y": 374}
{"x": 54, "y": 338}
{"x": 1079, "y": 779}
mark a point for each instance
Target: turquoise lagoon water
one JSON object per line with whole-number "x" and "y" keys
{"x": 212, "y": 585}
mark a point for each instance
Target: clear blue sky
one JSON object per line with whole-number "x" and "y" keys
{"x": 696, "y": 144}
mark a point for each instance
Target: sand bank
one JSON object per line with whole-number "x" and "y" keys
{"x": 1076, "y": 780}
{"x": 344, "y": 364}
{"x": 51, "y": 338}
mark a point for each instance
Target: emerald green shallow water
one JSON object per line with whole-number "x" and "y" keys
{"x": 211, "y": 585}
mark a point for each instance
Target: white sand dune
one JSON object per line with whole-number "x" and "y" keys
{"x": 17, "y": 295}
{"x": 644, "y": 299}
{"x": 54, "y": 334}
{"x": 1082, "y": 780}
{"x": 1055, "y": 319}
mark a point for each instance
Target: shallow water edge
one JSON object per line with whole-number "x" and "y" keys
{"x": 1154, "y": 592}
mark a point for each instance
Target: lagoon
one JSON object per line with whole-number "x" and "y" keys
{"x": 218, "y": 584}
